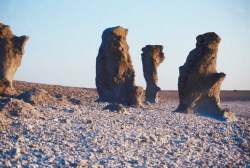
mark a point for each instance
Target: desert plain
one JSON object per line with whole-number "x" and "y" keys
{"x": 76, "y": 131}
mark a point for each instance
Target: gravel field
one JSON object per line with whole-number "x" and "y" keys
{"x": 90, "y": 135}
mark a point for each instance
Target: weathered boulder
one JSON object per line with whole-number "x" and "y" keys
{"x": 151, "y": 57}
{"x": 199, "y": 83}
{"x": 114, "y": 70}
{"x": 11, "y": 52}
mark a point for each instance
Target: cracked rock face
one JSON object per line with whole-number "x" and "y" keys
{"x": 152, "y": 56}
{"x": 11, "y": 52}
{"x": 199, "y": 83}
{"x": 114, "y": 70}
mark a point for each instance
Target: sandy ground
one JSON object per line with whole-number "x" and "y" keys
{"x": 88, "y": 135}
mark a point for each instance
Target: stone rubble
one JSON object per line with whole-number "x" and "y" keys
{"x": 66, "y": 135}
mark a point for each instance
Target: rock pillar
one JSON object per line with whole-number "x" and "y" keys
{"x": 11, "y": 52}
{"x": 199, "y": 83}
{"x": 151, "y": 57}
{"x": 114, "y": 70}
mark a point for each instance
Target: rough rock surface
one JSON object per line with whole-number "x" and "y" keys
{"x": 199, "y": 83}
{"x": 37, "y": 97}
{"x": 152, "y": 56}
{"x": 114, "y": 70}
{"x": 11, "y": 52}
{"x": 20, "y": 108}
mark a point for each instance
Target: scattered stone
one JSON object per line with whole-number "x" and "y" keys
{"x": 8, "y": 163}
{"x": 214, "y": 135}
{"x": 34, "y": 146}
{"x": 151, "y": 57}
{"x": 89, "y": 121}
{"x": 145, "y": 137}
{"x": 28, "y": 127}
{"x": 58, "y": 96}
{"x": 65, "y": 121}
{"x": 12, "y": 50}
{"x": 229, "y": 165}
{"x": 152, "y": 138}
{"x": 97, "y": 166}
{"x": 116, "y": 108}
{"x": 78, "y": 102}
{"x": 245, "y": 146}
{"x": 14, "y": 153}
{"x": 228, "y": 114}
{"x": 4, "y": 122}
{"x": 114, "y": 70}
{"x": 199, "y": 83}
{"x": 82, "y": 164}
{"x": 55, "y": 120}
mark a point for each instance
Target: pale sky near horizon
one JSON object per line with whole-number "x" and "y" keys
{"x": 65, "y": 37}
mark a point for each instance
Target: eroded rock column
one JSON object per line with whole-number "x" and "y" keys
{"x": 114, "y": 70}
{"x": 199, "y": 83}
{"x": 151, "y": 57}
{"x": 11, "y": 52}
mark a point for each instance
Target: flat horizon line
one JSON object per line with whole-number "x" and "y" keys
{"x": 95, "y": 88}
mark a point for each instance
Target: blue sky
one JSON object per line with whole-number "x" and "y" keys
{"x": 65, "y": 36}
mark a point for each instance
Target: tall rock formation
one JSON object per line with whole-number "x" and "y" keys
{"x": 199, "y": 83}
{"x": 151, "y": 57}
{"x": 11, "y": 52}
{"x": 114, "y": 70}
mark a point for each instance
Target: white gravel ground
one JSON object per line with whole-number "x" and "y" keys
{"x": 154, "y": 136}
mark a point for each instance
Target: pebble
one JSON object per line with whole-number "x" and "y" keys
{"x": 142, "y": 137}
{"x": 8, "y": 163}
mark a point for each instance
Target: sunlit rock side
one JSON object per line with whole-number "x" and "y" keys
{"x": 11, "y": 52}
{"x": 151, "y": 57}
{"x": 199, "y": 83}
{"x": 114, "y": 70}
